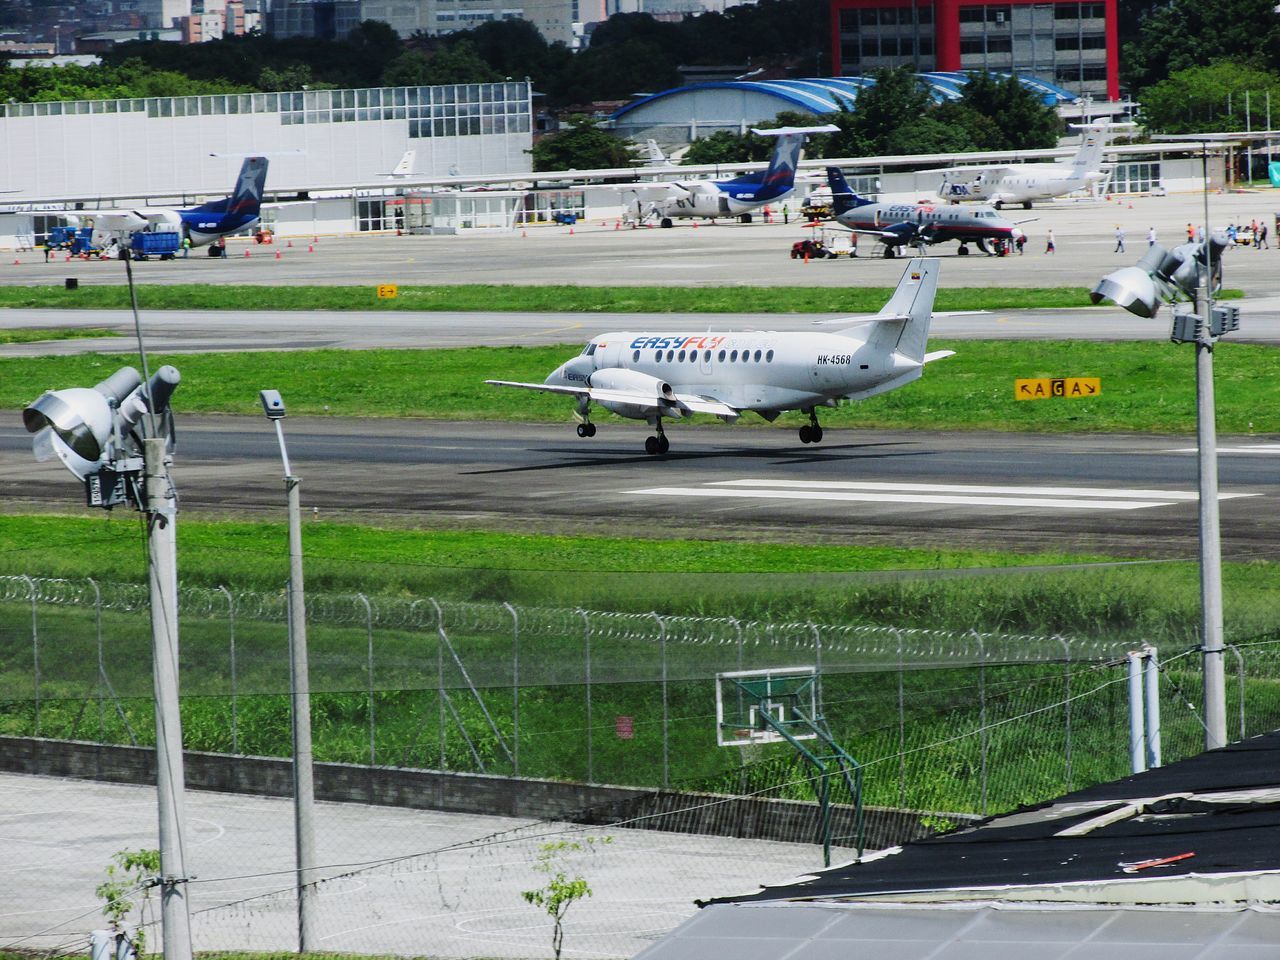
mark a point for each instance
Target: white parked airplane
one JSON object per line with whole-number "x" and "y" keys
{"x": 738, "y": 197}
{"x": 651, "y": 155}
{"x": 650, "y": 376}
{"x": 404, "y": 168}
{"x": 1025, "y": 182}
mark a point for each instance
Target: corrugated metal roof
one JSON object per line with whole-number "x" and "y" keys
{"x": 829, "y": 94}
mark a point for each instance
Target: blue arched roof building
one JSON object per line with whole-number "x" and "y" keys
{"x": 677, "y": 116}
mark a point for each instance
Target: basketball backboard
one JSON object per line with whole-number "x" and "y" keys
{"x": 787, "y": 695}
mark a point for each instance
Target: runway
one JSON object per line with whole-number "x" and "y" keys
{"x": 1125, "y": 495}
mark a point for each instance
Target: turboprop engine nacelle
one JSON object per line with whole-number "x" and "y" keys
{"x": 633, "y": 381}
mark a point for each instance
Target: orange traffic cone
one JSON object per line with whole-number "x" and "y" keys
{"x": 806, "y": 256}
{"x": 291, "y": 243}
{"x": 571, "y": 231}
{"x": 617, "y": 224}
{"x": 695, "y": 224}
{"x": 310, "y": 248}
{"x": 277, "y": 254}
{"x": 16, "y": 261}
{"x": 246, "y": 251}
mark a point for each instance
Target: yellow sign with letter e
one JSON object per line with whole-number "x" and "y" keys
{"x": 388, "y": 291}
{"x": 1045, "y": 388}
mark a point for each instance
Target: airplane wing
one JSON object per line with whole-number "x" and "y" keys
{"x": 876, "y": 317}
{"x": 1003, "y": 169}
{"x": 689, "y": 402}
{"x": 118, "y": 219}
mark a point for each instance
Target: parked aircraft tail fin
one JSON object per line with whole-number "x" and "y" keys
{"x": 843, "y": 198}
{"x": 246, "y": 195}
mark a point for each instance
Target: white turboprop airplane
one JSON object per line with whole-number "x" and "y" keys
{"x": 648, "y": 376}
{"x": 738, "y": 197}
{"x": 651, "y": 155}
{"x": 404, "y": 168}
{"x": 1025, "y": 182}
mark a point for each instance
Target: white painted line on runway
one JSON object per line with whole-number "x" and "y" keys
{"x": 938, "y": 499}
{"x": 1271, "y": 449}
{"x": 1045, "y": 497}
{"x": 974, "y": 489}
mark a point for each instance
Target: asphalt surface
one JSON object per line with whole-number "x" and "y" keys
{"x": 1127, "y": 495}
{"x": 594, "y": 253}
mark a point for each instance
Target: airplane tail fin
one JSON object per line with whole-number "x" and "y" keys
{"x": 246, "y": 195}
{"x": 905, "y": 329}
{"x": 654, "y": 152}
{"x": 405, "y": 167}
{"x": 843, "y": 198}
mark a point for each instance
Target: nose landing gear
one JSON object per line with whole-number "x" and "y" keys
{"x": 811, "y": 432}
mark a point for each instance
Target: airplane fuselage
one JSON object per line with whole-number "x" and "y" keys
{"x": 707, "y": 199}
{"x": 204, "y": 228}
{"x": 943, "y": 222}
{"x": 1019, "y": 187}
{"x": 766, "y": 372}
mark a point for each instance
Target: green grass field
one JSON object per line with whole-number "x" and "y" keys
{"x": 1146, "y": 387}
{"x": 559, "y": 298}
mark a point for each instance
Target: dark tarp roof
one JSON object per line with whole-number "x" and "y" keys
{"x": 1225, "y": 834}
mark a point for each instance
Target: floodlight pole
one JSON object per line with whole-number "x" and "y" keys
{"x": 1211, "y": 630}
{"x": 300, "y": 694}
{"x": 161, "y": 508}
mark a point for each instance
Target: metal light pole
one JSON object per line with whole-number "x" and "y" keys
{"x": 300, "y": 695}
{"x": 1211, "y": 630}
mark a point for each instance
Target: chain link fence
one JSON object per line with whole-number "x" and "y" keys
{"x": 946, "y": 725}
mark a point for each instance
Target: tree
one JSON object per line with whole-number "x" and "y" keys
{"x": 1183, "y": 34}
{"x": 458, "y": 63}
{"x": 1020, "y": 118}
{"x": 875, "y": 124}
{"x": 129, "y": 873}
{"x": 560, "y": 892}
{"x": 1204, "y": 99}
{"x": 584, "y": 145}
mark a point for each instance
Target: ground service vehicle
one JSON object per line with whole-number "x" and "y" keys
{"x": 164, "y": 244}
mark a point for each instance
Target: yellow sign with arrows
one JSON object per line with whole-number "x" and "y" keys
{"x": 1045, "y": 388}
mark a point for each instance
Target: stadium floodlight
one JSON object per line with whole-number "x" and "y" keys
{"x": 117, "y": 439}
{"x": 1192, "y": 273}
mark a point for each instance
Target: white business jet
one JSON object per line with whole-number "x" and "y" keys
{"x": 652, "y": 376}
{"x": 1026, "y": 182}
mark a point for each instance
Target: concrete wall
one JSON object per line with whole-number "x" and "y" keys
{"x": 462, "y": 792}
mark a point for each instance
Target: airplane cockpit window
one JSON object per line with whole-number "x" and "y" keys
{"x": 589, "y": 350}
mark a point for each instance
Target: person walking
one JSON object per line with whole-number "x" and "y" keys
{"x": 186, "y": 247}
{"x": 1020, "y": 241}
{"x": 1262, "y": 237}
{"x": 1048, "y": 244}
{"x": 1151, "y": 235}
{"x": 786, "y": 214}
{"x": 1119, "y": 239}
{"x": 1191, "y": 233}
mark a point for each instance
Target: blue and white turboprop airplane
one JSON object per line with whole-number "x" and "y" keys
{"x": 201, "y": 225}
{"x": 739, "y": 197}
{"x": 652, "y": 377}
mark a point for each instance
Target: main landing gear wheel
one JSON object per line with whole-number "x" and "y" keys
{"x": 586, "y": 429}
{"x": 657, "y": 445}
{"x": 665, "y": 223}
{"x": 811, "y": 432}
{"x": 963, "y": 251}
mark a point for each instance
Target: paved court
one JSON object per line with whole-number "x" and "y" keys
{"x": 440, "y": 890}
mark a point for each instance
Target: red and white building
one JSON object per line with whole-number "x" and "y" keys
{"x": 1071, "y": 44}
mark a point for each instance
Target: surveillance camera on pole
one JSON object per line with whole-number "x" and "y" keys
{"x": 117, "y": 438}
{"x": 300, "y": 690}
{"x": 1190, "y": 274}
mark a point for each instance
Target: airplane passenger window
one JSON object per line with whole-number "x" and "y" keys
{"x": 757, "y": 356}
{"x": 636, "y": 356}
{"x": 657, "y": 356}
{"x": 720, "y": 356}
{"x": 681, "y": 357}
{"x": 670, "y": 354}
{"x": 693, "y": 356}
{"x": 707, "y": 356}
{"x": 733, "y": 357}
{"x": 768, "y": 357}
{"x": 746, "y": 355}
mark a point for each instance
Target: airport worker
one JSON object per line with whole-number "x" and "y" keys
{"x": 1119, "y": 239}
{"x": 1262, "y": 237}
{"x": 1020, "y": 241}
{"x": 1151, "y": 236}
{"x": 786, "y": 214}
{"x": 1048, "y": 244}
{"x": 186, "y": 247}
{"x": 1191, "y": 234}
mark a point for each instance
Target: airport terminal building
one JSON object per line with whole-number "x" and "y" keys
{"x": 329, "y": 147}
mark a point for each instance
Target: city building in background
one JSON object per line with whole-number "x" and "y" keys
{"x": 1071, "y": 44}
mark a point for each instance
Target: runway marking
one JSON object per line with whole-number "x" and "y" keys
{"x": 1052, "y": 498}
{"x": 1269, "y": 449}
